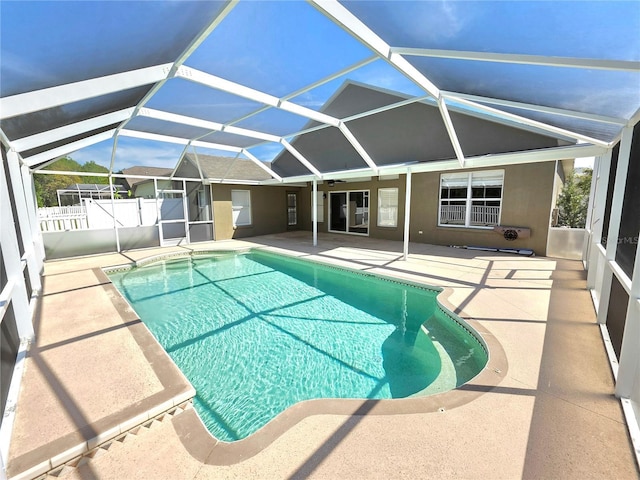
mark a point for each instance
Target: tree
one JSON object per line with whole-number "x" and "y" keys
{"x": 47, "y": 185}
{"x": 573, "y": 201}
{"x": 93, "y": 167}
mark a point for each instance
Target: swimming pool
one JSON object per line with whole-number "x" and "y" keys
{"x": 256, "y": 332}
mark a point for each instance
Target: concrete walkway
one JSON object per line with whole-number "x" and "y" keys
{"x": 100, "y": 399}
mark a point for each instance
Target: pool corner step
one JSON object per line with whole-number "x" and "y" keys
{"x": 75, "y": 457}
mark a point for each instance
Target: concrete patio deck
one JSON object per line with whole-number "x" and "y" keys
{"x": 100, "y": 399}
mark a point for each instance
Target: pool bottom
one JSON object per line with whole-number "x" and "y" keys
{"x": 203, "y": 446}
{"x": 198, "y": 440}
{"x": 270, "y": 307}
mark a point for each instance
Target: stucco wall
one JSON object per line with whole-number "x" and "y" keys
{"x": 268, "y": 210}
{"x": 527, "y": 197}
{"x": 526, "y": 202}
{"x": 387, "y": 233}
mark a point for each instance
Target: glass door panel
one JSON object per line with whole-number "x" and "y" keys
{"x": 359, "y": 212}
{"x": 349, "y": 212}
{"x": 338, "y": 211}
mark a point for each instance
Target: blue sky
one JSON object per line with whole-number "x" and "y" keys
{"x": 280, "y": 47}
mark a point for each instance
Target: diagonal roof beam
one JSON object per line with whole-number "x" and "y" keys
{"x": 257, "y": 96}
{"x": 358, "y": 147}
{"x": 533, "y": 123}
{"x": 4, "y": 139}
{"x": 195, "y": 156}
{"x": 332, "y": 77}
{"x": 29, "y": 102}
{"x": 327, "y": 79}
{"x": 195, "y": 43}
{"x": 350, "y": 23}
{"x": 177, "y": 140}
{"x": 60, "y": 133}
{"x": 444, "y": 111}
{"x": 218, "y": 83}
{"x": 566, "y": 62}
{"x": 261, "y": 164}
{"x": 301, "y": 158}
{"x": 182, "y": 155}
{"x": 212, "y": 126}
{"x": 536, "y": 108}
{"x": 231, "y": 163}
{"x": 67, "y": 148}
{"x": 409, "y": 101}
{"x": 333, "y": 10}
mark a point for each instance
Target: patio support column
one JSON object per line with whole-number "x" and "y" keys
{"x": 30, "y": 251}
{"x": 113, "y": 211}
{"x": 597, "y": 218}
{"x": 314, "y": 212}
{"x": 15, "y": 289}
{"x": 32, "y": 207}
{"x": 158, "y": 209}
{"x": 407, "y": 215}
{"x": 614, "y": 222}
{"x": 629, "y": 363}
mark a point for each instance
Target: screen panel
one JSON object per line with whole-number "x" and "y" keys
{"x": 276, "y": 47}
{"x": 525, "y": 27}
{"x": 630, "y": 218}
{"x": 92, "y": 39}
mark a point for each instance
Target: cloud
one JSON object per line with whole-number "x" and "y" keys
{"x": 434, "y": 21}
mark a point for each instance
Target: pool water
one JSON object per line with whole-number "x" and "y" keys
{"x": 258, "y": 332}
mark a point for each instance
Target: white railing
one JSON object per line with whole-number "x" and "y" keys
{"x": 480, "y": 215}
{"x": 484, "y": 215}
{"x": 53, "y": 219}
{"x": 453, "y": 214}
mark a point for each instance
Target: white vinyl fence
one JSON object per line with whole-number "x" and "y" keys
{"x": 97, "y": 214}
{"x": 54, "y": 219}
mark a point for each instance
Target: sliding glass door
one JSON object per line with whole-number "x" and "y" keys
{"x": 349, "y": 212}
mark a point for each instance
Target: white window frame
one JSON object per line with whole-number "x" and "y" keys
{"x": 391, "y": 219}
{"x": 238, "y": 208}
{"x": 468, "y": 201}
{"x": 292, "y": 209}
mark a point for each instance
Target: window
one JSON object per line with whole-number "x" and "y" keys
{"x": 241, "y": 207}
{"x": 292, "y": 209}
{"x": 471, "y": 199}
{"x": 387, "y": 207}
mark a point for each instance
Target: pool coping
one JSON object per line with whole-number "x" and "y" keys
{"x": 177, "y": 391}
{"x": 203, "y": 446}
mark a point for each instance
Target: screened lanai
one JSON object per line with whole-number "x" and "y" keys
{"x": 132, "y": 83}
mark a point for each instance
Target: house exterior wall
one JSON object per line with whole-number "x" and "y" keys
{"x": 268, "y": 210}
{"x": 146, "y": 189}
{"x": 387, "y": 233}
{"x": 526, "y": 202}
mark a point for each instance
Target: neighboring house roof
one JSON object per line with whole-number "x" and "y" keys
{"x": 227, "y": 168}
{"x": 407, "y": 134}
{"x": 144, "y": 170}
